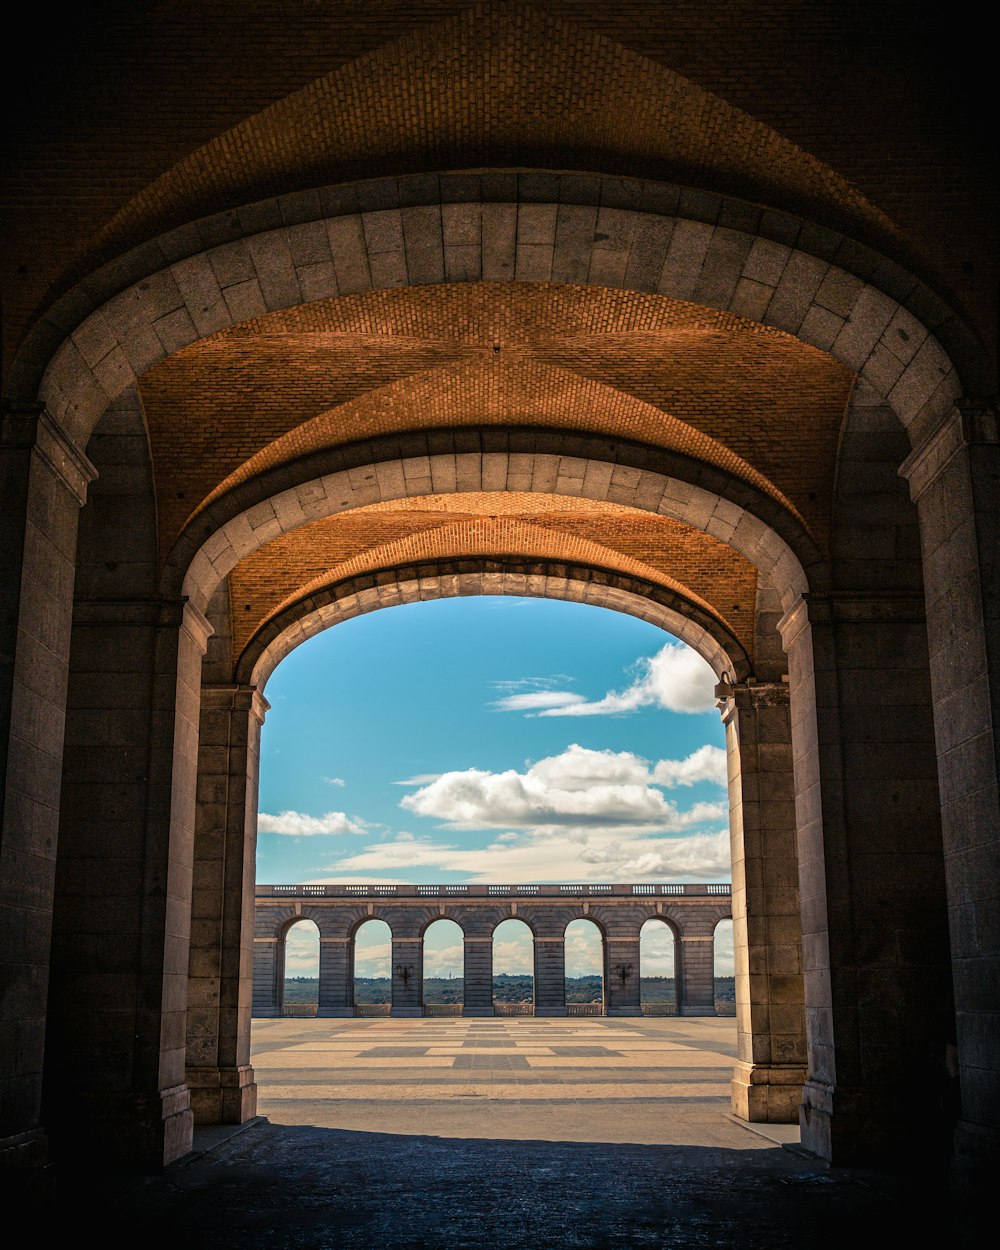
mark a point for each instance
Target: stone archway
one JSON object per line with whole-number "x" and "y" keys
{"x": 921, "y": 390}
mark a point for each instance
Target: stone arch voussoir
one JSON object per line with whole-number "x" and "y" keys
{"x": 356, "y": 596}
{"x": 826, "y": 290}
{"x": 446, "y": 462}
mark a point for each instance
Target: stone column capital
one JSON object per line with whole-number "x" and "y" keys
{"x": 971, "y": 422}
{"x": 235, "y": 697}
{"x": 30, "y": 426}
{"x": 857, "y": 607}
{"x": 750, "y": 696}
{"x": 156, "y": 613}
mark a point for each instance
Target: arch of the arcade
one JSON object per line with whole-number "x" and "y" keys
{"x": 692, "y": 919}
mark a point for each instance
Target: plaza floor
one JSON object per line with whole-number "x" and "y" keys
{"x": 649, "y": 1081}
{"x": 450, "y": 1134}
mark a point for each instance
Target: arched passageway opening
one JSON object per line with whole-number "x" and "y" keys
{"x": 585, "y": 967}
{"x": 513, "y": 969}
{"x": 298, "y": 986}
{"x": 443, "y": 981}
{"x": 371, "y": 968}
{"x": 862, "y": 807}
{"x": 658, "y": 984}
{"x": 724, "y": 971}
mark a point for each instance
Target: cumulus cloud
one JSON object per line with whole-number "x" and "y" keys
{"x": 708, "y": 763}
{"x": 444, "y": 960}
{"x": 705, "y": 855}
{"x": 302, "y": 950}
{"x": 676, "y": 678}
{"x": 579, "y": 787}
{"x": 299, "y": 825}
{"x": 373, "y": 961}
{"x": 335, "y": 781}
{"x": 544, "y": 855}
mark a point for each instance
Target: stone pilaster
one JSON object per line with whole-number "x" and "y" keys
{"x": 407, "y": 976}
{"x": 220, "y": 983}
{"x": 870, "y": 864}
{"x": 767, "y": 936}
{"x": 121, "y": 931}
{"x": 953, "y": 476}
{"x": 43, "y": 482}
{"x": 265, "y": 976}
{"x": 621, "y": 975}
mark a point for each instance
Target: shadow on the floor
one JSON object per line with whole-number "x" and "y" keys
{"x": 303, "y": 1188}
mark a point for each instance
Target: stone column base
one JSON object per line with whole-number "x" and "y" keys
{"x": 178, "y": 1123}
{"x": 767, "y": 1093}
{"x": 816, "y": 1118}
{"x": 222, "y": 1095}
{"x": 131, "y": 1130}
{"x": 24, "y": 1150}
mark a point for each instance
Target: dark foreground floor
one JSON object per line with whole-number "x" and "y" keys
{"x": 300, "y": 1188}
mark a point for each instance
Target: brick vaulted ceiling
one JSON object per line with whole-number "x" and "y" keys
{"x": 531, "y": 526}
{"x": 743, "y": 397}
{"x": 166, "y": 116}
{"x": 864, "y": 118}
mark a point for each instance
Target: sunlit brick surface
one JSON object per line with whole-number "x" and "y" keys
{"x": 744, "y": 397}
{"x": 516, "y": 524}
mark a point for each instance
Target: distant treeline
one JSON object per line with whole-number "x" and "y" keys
{"x": 506, "y": 989}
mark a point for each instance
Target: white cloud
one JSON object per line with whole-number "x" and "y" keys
{"x": 302, "y": 950}
{"x": 353, "y": 878}
{"x": 335, "y": 781}
{"x": 373, "y": 961}
{"x": 708, "y": 763}
{"x": 421, "y": 779}
{"x": 533, "y": 700}
{"x": 547, "y": 855}
{"x": 676, "y": 678}
{"x": 438, "y": 963}
{"x": 703, "y": 855}
{"x": 299, "y": 825}
{"x": 579, "y": 787}
{"x": 514, "y": 957}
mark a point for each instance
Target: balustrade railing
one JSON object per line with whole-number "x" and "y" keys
{"x": 642, "y": 889}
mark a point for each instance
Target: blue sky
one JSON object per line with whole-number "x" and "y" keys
{"x": 496, "y": 740}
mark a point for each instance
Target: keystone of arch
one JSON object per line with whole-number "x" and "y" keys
{"x": 370, "y": 592}
{"x": 823, "y": 289}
